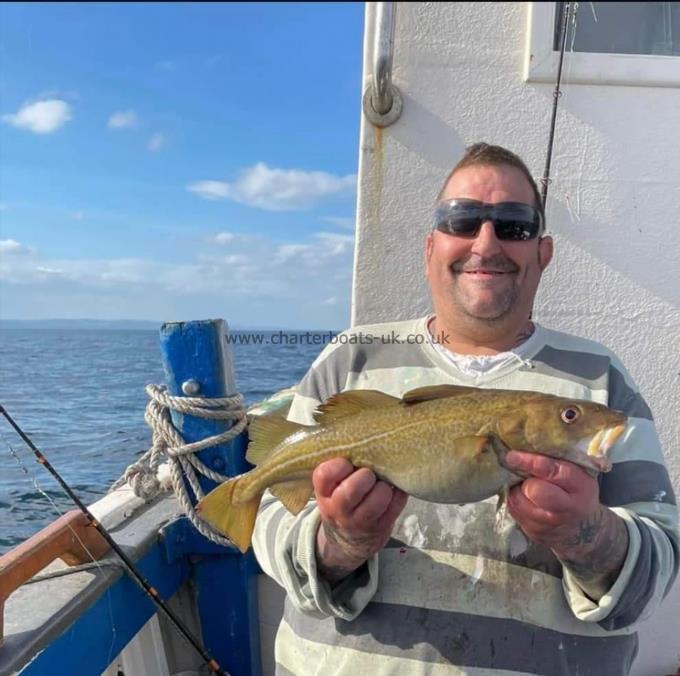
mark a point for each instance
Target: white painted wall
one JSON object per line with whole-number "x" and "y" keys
{"x": 613, "y": 206}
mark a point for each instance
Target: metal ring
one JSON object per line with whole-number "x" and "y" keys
{"x": 388, "y": 118}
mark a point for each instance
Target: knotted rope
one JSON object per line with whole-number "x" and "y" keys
{"x": 183, "y": 463}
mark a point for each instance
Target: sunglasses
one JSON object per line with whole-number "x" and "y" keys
{"x": 512, "y": 221}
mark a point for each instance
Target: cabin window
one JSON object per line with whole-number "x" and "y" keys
{"x": 625, "y": 43}
{"x": 623, "y": 28}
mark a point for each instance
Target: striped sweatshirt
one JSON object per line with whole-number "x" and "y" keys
{"x": 459, "y": 589}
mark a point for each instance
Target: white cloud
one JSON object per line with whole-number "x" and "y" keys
{"x": 11, "y": 246}
{"x": 124, "y": 271}
{"x": 41, "y": 117}
{"x": 254, "y": 280}
{"x": 210, "y": 190}
{"x": 223, "y": 237}
{"x": 276, "y": 189}
{"x": 341, "y": 221}
{"x": 156, "y": 143}
{"x": 124, "y": 119}
{"x": 287, "y": 251}
{"x": 49, "y": 272}
{"x": 237, "y": 259}
{"x": 335, "y": 244}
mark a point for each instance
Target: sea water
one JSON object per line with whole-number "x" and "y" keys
{"x": 79, "y": 395}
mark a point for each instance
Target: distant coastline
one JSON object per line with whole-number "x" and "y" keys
{"x": 117, "y": 325}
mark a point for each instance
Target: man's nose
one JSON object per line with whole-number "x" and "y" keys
{"x": 486, "y": 243}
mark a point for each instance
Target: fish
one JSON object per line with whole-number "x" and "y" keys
{"x": 441, "y": 443}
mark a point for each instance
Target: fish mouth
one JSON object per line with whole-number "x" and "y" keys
{"x": 599, "y": 445}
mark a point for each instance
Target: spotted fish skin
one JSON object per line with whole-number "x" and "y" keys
{"x": 443, "y": 444}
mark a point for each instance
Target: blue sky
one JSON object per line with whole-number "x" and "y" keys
{"x": 179, "y": 161}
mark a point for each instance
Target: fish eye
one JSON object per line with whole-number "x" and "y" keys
{"x": 570, "y": 414}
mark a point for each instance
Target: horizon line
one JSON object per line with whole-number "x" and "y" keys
{"x": 159, "y": 323}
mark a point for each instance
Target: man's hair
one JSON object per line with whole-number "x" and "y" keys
{"x": 484, "y": 154}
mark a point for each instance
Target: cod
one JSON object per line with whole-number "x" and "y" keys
{"x": 442, "y": 443}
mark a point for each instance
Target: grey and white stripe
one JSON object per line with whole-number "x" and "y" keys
{"x": 457, "y": 590}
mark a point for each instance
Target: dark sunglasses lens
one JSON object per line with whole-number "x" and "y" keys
{"x": 512, "y": 221}
{"x": 516, "y": 222}
{"x": 461, "y": 225}
{"x": 458, "y": 219}
{"x": 515, "y": 231}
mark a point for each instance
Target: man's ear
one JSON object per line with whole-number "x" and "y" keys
{"x": 429, "y": 245}
{"x": 545, "y": 252}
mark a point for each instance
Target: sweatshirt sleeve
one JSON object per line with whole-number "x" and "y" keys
{"x": 639, "y": 490}
{"x": 285, "y": 545}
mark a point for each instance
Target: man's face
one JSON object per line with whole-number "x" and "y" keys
{"x": 482, "y": 277}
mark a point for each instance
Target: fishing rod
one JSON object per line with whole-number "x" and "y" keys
{"x": 150, "y": 591}
{"x": 556, "y": 95}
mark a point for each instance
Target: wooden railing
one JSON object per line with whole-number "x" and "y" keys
{"x": 70, "y": 538}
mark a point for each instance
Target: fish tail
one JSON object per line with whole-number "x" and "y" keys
{"x": 235, "y": 520}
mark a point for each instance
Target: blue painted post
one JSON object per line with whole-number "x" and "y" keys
{"x": 198, "y": 362}
{"x": 198, "y": 353}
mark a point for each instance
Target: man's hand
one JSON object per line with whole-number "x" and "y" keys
{"x": 357, "y": 516}
{"x": 559, "y": 506}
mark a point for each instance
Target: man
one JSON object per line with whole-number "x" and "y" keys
{"x": 380, "y": 583}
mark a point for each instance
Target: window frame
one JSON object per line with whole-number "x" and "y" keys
{"x": 540, "y": 63}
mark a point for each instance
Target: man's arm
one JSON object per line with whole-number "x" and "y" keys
{"x": 560, "y": 508}
{"x": 327, "y": 570}
{"x": 357, "y": 516}
{"x": 596, "y": 554}
{"x": 325, "y": 557}
{"x": 620, "y": 557}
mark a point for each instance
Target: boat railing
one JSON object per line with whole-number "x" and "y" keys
{"x": 382, "y": 102}
{"x": 83, "y": 614}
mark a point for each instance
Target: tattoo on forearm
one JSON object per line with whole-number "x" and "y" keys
{"x": 347, "y": 556}
{"x": 588, "y": 531}
{"x": 595, "y": 555}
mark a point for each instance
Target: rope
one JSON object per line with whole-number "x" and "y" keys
{"x": 142, "y": 477}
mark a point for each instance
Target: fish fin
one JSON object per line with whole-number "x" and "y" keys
{"x": 502, "y": 498}
{"x": 476, "y": 445}
{"x": 436, "y": 392}
{"x": 236, "y": 521}
{"x": 349, "y": 403}
{"x": 266, "y": 433}
{"x": 293, "y": 494}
